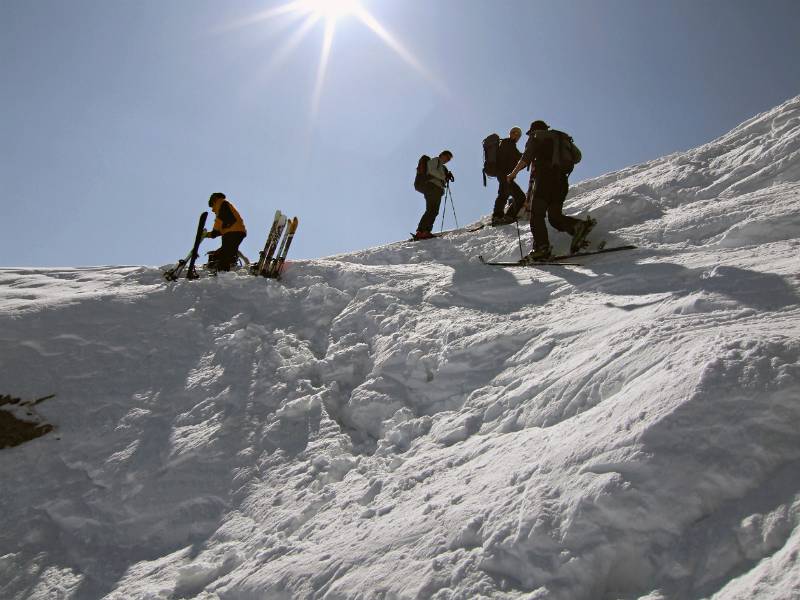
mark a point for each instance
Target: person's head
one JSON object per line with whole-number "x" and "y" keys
{"x": 214, "y": 197}
{"x": 515, "y": 133}
{"x": 538, "y": 126}
{"x": 445, "y": 156}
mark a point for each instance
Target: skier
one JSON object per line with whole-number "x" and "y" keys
{"x": 230, "y": 226}
{"x": 433, "y": 189}
{"x": 507, "y": 158}
{"x": 553, "y": 155}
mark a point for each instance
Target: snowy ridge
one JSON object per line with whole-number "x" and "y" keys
{"x": 404, "y": 422}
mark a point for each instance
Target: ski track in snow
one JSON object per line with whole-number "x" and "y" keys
{"x": 404, "y": 422}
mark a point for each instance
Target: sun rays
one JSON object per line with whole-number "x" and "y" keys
{"x": 330, "y": 9}
{"x": 327, "y": 13}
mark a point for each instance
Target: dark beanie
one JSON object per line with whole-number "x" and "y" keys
{"x": 215, "y": 196}
{"x": 538, "y": 126}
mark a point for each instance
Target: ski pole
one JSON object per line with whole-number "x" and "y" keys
{"x": 441, "y": 228}
{"x": 519, "y": 239}
{"x": 452, "y": 204}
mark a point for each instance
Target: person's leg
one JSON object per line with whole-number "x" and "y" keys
{"x": 502, "y": 195}
{"x": 519, "y": 200}
{"x": 433, "y": 199}
{"x": 538, "y": 213}
{"x": 557, "y": 218}
{"x": 228, "y": 253}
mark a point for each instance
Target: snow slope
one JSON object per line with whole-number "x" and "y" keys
{"x": 404, "y": 422}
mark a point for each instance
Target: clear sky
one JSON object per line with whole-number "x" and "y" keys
{"x": 120, "y": 117}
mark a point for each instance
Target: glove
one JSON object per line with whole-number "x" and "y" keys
{"x": 450, "y": 176}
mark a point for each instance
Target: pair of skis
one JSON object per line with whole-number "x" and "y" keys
{"x": 175, "y": 272}
{"x": 478, "y": 227}
{"x": 554, "y": 260}
{"x": 273, "y": 256}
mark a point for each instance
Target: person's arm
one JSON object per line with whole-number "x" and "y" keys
{"x": 525, "y": 159}
{"x": 215, "y": 230}
{"x": 448, "y": 175}
{"x": 522, "y": 164}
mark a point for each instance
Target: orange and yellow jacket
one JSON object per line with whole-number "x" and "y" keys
{"x": 228, "y": 218}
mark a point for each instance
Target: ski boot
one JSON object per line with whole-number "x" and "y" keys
{"x": 582, "y": 229}
{"x": 539, "y": 254}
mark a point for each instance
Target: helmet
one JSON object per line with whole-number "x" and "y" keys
{"x": 516, "y": 130}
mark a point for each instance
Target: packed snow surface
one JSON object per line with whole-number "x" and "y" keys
{"x": 405, "y": 422}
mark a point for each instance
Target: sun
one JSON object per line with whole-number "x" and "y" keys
{"x": 329, "y": 9}
{"x": 328, "y": 12}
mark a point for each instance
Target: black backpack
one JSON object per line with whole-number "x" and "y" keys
{"x": 565, "y": 153}
{"x": 421, "y": 178}
{"x": 491, "y": 146}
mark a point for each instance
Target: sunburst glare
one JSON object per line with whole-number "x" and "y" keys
{"x": 330, "y": 9}
{"x": 330, "y": 12}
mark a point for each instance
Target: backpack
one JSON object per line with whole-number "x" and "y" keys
{"x": 565, "y": 153}
{"x": 491, "y": 146}
{"x": 421, "y": 178}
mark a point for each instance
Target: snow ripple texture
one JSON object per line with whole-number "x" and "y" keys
{"x": 404, "y": 422}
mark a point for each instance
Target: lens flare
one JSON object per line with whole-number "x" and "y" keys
{"x": 329, "y": 9}
{"x": 329, "y": 12}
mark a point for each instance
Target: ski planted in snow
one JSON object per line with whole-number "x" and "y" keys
{"x": 276, "y": 265}
{"x": 175, "y": 272}
{"x": 191, "y": 272}
{"x": 265, "y": 256}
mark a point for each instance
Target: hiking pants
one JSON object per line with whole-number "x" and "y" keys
{"x": 433, "y": 199}
{"x": 548, "y": 195}
{"x": 225, "y": 257}
{"x": 504, "y": 190}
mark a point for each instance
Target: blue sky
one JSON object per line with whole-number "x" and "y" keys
{"x": 119, "y": 118}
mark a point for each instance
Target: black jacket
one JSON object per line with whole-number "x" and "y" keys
{"x": 507, "y": 156}
{"x": 539, "y": 152}
{"x": 551, "y": 182}
{"x": 228, "y": 219}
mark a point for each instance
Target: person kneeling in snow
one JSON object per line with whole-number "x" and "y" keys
{"x": 228, "y": 224}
